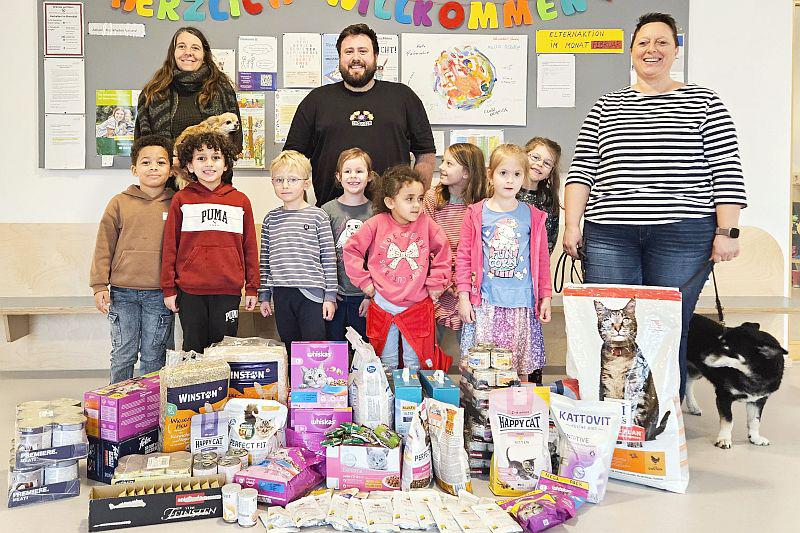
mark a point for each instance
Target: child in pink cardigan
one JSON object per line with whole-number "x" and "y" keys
{"x": 503, "y": 268}
{"x": 399, "y": 258}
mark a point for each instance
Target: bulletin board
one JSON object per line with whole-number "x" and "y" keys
{"x": 127, "y": 63}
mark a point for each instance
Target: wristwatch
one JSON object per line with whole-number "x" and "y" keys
{"x": 733, "y": 233}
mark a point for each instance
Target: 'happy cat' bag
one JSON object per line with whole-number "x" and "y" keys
{"x": 622, "y": 345}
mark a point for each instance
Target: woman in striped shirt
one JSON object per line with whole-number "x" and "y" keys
{"x": 656, "y": 177}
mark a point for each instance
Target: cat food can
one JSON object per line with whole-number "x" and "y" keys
{"x": 479, "y": 358}
{"x": 24, "y": 476}
{"x": 506, "y": 378}
{"x": 242, "y": 454}
{"x": 61, "y": 471}
{"x": 33, "y": 405}
{"x": 502, "y": 359}
{"x": 229, "y": 466}
{"x": 65, "y": 402}
{"x": 479, "y": 463}
{"x": 482, "y": 431}
{"x": 230, "y": 502}
{"x": 206, "y": 456}
{"x": 34, "y": 434}
{"x": 68, "y": 429}
{"x": 484, "y": 379}
{"x": 477, "y": 446}
{"x": 247, "y": 507}
{"x": 204, "y": 468}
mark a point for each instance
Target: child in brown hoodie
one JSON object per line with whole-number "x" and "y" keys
{"x": 127, "y": 257}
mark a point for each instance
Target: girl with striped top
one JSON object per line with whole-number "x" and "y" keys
{"x": 462, "y": 182}
{"x": 656, "y": 177}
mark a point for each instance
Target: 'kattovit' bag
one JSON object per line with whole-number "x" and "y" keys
{"x": 622, "y": 344}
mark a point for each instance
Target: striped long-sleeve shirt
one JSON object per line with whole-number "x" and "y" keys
{"x": 297, "y": 251}
{"x": 657, "y": 159}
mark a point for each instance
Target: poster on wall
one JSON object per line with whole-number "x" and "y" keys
{"x": 115, "y": 120}
{"x": 258, "y": 63}
{"x": 486, "y": 140}
{"x": 468, "y": 78}
{"x": 63, "y": 29}
{"x": 253, "y": 112}
{"x": 302, "y": 60}
{"x": 225, "y": 59}
{"x": 286, "y": 102}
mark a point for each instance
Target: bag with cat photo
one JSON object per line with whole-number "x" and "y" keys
{"x": 622, "y": 345}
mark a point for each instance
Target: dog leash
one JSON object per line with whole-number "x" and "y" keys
{"x": 700, "y": 272}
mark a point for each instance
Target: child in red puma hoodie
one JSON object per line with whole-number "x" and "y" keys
{"x": 210, "y": 247}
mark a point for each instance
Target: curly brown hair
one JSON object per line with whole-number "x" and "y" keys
{"x": 390, "y": 183}
{"x": 158, "y": 86}
{"x": 215, "y": 141}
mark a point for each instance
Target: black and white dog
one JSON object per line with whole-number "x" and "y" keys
{"x": 743, "y": 363}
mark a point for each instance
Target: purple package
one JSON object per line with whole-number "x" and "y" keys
{"x": 283, "y": 476}
{"x": 123, "y": 410}
{"x": 311, "y": 442}
{"x": 552, "y": 484}
{"x": 319, "y": 420}
{"x": 319, "y": 373}
{"x": 537, "y": 510}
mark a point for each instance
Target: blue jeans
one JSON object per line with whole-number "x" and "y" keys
{"x": 658, "y": 254}
{"x": 346, "y": 315}
{"x": 140, "y": 324}
{"x": 391, "y": 353}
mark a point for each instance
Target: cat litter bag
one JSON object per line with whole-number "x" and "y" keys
{"x": 622, "y": 346}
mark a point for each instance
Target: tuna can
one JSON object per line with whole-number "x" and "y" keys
{"x": 230, "y": 502}
{"x": 24, "y": 476}
{"x": 479, "y": 358}
{"x": 229, "y": 466}
{"x": 61, "y": 471}
{"x": 484, "y": 379}
{"x": 204, "y": 468}
{"x": 506, "y": 378}
{"x": 502, "y": 359}
{"x": 206, "y": 456}
{"x": 34, "y": 434}
{"x": 247, "y": 507}
{"x": 68, "y": 429}
{"x": 242, "y": 454}
{"x": 65, "y": 402}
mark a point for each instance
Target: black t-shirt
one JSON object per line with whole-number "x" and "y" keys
{"x": 387, "y": 122}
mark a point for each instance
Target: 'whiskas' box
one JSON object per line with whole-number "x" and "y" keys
{"x": 319, "y": 420}
{"x": 319, "y": 375}
{"x": 122, "y": 410}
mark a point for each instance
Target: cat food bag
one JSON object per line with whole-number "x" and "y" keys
{"x": 209, "y": 432}
{"x": 496, "y": 519}
{"x": 588, "y": 432}
{"x": 256, "y": 425}
{"x": 450, "y": 460}
{"x": 622, "y": 343}
{"x": 403, "y": 513}
{"x": 417, "y": 452}
{"x": 423, "y": 501}
{"x": 338, "y": 510}
{"x": 309, "y": 511}
{"x": 538, "y": 510}
{"x": 355, "y": 513}
{"x": 370, "y": 394}
{"x": 520, "y": 421}
{"x": 379, "y": 515}
{"x": 258, "y": 367}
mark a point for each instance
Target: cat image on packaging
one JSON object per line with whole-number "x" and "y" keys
{"x": 319, "y": 375}
{"x": 519, "y": 417}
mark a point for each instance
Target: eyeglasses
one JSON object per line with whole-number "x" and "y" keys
{"x": 534, "y": 158}
{"x": 291, "y": 181}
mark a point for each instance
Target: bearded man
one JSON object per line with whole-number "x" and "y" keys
{"x": 385, "y": 119}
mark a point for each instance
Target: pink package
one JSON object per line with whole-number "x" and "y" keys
{"x": 311, "y": 442}
{"x": 319, "y": 420}
{"x": 363, "y": 467}
{"x": 319, "y": 373}
{"x": 123, "y": 410}
{"x": 283, "y": 477}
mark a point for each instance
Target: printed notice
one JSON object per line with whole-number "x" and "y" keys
{"x": 258, "y": 63}
{"x": 302, "y": 60}
{"x": 117, "y": 29}
{"x": 64, "y": 141}
{"x": 63, "y": 29}
{"x": 286, "y": 102}
{"x": 555, "y": 80}
{"x": 64, "y": 86}
{"x": 590, "y": 41}
{"x": 225, "y": 59}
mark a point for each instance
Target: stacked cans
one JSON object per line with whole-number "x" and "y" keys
{"x": 486, "y": 367}
{"x": 211, "y": 463}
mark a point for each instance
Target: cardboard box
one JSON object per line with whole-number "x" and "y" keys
{"x": 123, "y": 410}
{"x": 351, "y": 466}
{"x": 319, "y": 373}
{"x": 107, "y": 510}
{"x": 319, "y": 420}
{"x": 104, "y": 455}
{"x": 407, "y": 396}
{"x": 439, "y": 386}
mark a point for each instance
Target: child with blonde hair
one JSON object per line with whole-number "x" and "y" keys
{"x": 298, "y": 258}
{"x": 503, "y": 268}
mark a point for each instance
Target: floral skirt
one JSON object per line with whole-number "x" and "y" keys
{"x": 516, "y": 329}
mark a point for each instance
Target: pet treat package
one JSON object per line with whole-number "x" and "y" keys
{"x": 186, "y": 390}
{"x": 450, "y": 460}
{"x": 319, "y": 375}
{"x": 588, "y": 432}
{"x": 255, "y": 425}
{"x": 258, "y": 367}
{"x": 520, "y": 420}
{"x": 370, "y": 394}
{"x": 417, "y": 472}
{"x": 622, "y": 344}
{"x": 363, "y": 467}
{"x": 209, "y": 432}
{"x": 282, "y": 476}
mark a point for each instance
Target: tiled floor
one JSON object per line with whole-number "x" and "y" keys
{"x": 747, "y": 488}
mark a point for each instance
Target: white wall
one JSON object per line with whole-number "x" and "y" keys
{"x": 743, "y": 50}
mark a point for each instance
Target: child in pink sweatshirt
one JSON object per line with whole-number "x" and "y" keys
{"x": 401, "y": 259}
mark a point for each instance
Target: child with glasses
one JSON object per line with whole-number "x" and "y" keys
{"x": 541, "y": 187}
{"x": 298, "y": 257}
